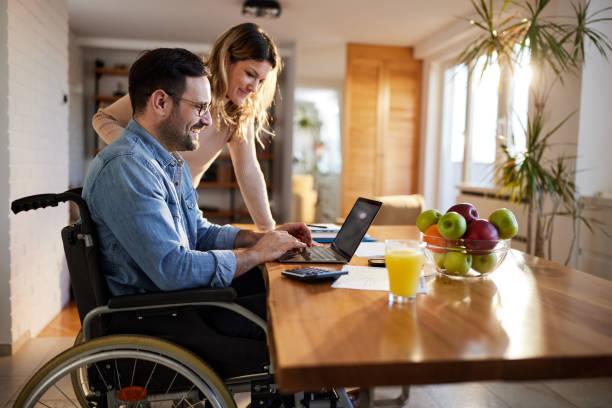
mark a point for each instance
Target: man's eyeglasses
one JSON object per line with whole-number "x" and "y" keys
{"x": 202, "y": 108}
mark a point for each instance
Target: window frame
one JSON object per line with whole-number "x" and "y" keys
{"x": 504, "y": 118}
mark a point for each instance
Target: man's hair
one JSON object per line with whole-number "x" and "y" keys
{"x": 162, "y": 68}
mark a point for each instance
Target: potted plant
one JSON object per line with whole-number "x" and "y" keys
{"x": 554, "y": 45}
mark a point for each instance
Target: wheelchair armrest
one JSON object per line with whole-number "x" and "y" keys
{"x": 175, "y": 298}
{"x": 223, "y": 298}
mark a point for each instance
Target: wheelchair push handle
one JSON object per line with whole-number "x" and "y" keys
{"x": 34, "y": 202}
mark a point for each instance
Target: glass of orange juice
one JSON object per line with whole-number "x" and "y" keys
{"x": 404, "y": 259}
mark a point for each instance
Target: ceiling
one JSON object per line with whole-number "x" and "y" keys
{"x": 302, "y": 22}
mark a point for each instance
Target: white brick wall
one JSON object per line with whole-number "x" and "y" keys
{"x": 5, "y": 322}
{"x": 76, "y": 110}
{"x": 38, "y": 159}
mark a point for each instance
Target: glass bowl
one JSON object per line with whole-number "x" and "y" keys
{"x": 462, "y": 258}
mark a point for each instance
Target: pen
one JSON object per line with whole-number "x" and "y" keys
{"x": 316, "y": 226}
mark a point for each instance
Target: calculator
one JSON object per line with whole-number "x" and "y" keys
{"x": 311, "y": 274}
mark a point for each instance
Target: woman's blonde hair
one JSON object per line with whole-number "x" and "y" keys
{"x": 243, "y": 42}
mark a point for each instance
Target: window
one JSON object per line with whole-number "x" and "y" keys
{"x": 520, "y": 103}
{"x": 483, "y": 111}
{"x": 316, "y": 137}
{"x": 317, "y": 147}
{"x": 456, "y": 80}
{"x": 474, "y": 115}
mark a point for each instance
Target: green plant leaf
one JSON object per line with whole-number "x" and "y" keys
{"x": 521, "y": 26}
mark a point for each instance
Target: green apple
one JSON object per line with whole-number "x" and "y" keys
{"x": 427, "y": 218}
{"x": 439, "y": 259}
{"x": 484, "y": 263}
{"x": 452, "y": 225}
{"x": 505, "y": 222}
{"x": 457, "y": 263}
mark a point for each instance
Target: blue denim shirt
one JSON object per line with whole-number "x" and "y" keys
{"x": 151, "y": 233}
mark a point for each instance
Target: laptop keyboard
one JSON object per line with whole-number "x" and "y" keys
{"x": 313, "y": 254}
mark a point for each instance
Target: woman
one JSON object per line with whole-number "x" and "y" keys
{"x": 244, "y": 65}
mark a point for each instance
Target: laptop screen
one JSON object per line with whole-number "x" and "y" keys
{"x": 356, "y": 225}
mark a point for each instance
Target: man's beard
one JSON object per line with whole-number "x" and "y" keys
{"x": 175, "y": 135}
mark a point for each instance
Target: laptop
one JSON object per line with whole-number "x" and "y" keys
{"x": 347, "y": 239}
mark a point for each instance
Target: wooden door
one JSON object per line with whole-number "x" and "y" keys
{"x": 360, "y": 151}
{"x": 380, "y": 144}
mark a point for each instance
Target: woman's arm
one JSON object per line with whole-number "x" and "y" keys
{"x": 211, "y": 144}
{"x": 251, "y": 180}
{"x": 109, "y": 122}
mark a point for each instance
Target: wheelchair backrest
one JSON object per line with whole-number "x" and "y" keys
{"x": 88, "y": 284}
{"x": 80, "y": 246}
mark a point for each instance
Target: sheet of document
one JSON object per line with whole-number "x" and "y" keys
{"x": 369, "y": 278}
{"x": 371, "y": 250}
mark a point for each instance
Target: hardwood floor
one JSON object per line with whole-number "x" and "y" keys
{"x": 65, "y": 324}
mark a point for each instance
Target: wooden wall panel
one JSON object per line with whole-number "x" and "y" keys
{"x": 357, "y": 178}
{"x": 381, "y": 124}
{"x": 401, "y": 146}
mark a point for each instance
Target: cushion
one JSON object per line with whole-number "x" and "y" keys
{"x": 399, "y": 209}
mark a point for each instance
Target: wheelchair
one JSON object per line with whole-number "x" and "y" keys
{"x": 133, "y": 370}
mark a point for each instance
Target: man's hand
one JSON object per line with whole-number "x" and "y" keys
{"x": 275, "y": 243}
{"x": 298, "y": 230}
{"x": 269, "y": 247}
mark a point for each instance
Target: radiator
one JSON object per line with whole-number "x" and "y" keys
{"x": 595, "y": 249}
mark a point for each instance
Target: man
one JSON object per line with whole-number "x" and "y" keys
{"x": 151, "y": 233}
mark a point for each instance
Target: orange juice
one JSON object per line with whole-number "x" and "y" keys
{"x": 404, "y": 266}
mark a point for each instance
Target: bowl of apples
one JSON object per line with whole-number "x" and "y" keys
{"x": 461, "y": 245}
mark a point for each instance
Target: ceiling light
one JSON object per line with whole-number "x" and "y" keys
{"x": 261, "y": 8}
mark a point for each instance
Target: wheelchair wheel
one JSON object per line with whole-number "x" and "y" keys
{"x": 126, "y": 371}
{"x": 78, "y": 378}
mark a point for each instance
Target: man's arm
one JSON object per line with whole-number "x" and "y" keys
{"x": 129, "y": 200}
{"x": 247, "y": 238}
{"x": 299, "y": 230}
{"x": 254, "y": 248}
{"x": 263, "y": 247}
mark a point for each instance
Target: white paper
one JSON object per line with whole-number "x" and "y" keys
{"x": 331, "y": 235}
{"x": 326, "y": 235}
{"x": 428, "y": 268}
{"x": 326, "y": 227}
{"x": 370, "y": 250}
{"x": 369, "y": 278}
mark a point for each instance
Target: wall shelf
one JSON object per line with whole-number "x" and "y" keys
{"x": 106, "y": 98}
{"x": 103, "y": 99}
{"x": 112, "y": 71}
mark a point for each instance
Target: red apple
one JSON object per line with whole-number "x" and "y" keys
{"x": 467, "y": 210}
{"x": 481, "y": 235}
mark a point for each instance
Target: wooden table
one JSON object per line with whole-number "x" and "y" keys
{"x": 531, "y": 319}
